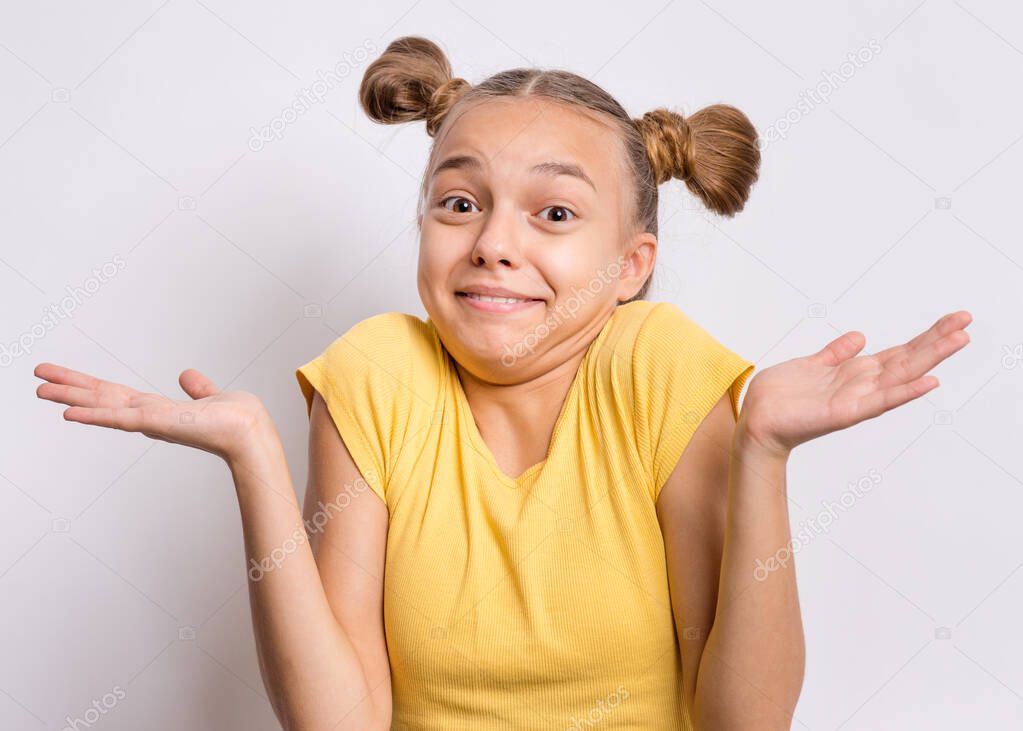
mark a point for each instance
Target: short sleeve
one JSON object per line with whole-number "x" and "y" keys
{"x": 365, "y": 379}
{"x": 680, "y": 371}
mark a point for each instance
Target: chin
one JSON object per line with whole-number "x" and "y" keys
{"x": 492, "y": 350}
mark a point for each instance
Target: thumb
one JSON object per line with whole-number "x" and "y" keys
{"x": 842, "y": 348}
{"x": 196, "y": 385}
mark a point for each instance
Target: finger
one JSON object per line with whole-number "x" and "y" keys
{"x": 59, "y": 374}
{"x": 70, "y": 395}
{"x": 196, "y": 385}
{"x": 123, "y": 418}
{"x": 886, "y": 399}
{"x": 943, "y": 326}
{"x": 916, "y": 362}
{"x": 842, "y": 348}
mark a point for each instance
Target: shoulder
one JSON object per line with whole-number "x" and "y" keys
{"x": 667, "y": 331}
{"x": 675, "y": 351}
{"x": 651, "y": 335}
{"x": 392, "y": 354}
{"x": 388, "y": 344}
{"x": 678, "y": 371}
{"x": 378, "y": 381}
{"x": 385, "y": 335}
{"x": 642, "y": 322}
{"x": 665, "y": 323}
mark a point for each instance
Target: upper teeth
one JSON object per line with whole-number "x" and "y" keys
{"x": 487, "y": 298}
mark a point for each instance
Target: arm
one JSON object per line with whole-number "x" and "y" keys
{"x": 320, "y": 650}
{"x": 721, "y": 509}
{"x": 750, "y": 667}
{"x": 317, "y": 614}
{"x": 350, "y": 551}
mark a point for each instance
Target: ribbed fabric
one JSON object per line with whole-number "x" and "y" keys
{"x": 539, "y": 601}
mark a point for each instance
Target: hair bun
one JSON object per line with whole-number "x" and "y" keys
{"x": 714, "y": 151}
{"x": 411, "y": 80}
{"x": 443, "y": 97}
{"x": 668, "y": 141}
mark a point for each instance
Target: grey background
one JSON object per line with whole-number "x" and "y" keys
{"x": 125, "y": 131}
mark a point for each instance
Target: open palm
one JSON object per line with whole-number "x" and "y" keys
{"x": 214, "y": 421}
{"x": 804, "y": 398}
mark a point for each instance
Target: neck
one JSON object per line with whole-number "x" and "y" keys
{"x": 517, "y": 420}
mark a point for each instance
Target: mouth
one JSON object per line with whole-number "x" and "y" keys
{"x": 497, "y": 303}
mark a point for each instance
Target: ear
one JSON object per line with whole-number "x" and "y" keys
{"x": 638, "y": 262}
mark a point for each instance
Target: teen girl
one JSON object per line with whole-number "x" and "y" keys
{"x": 541, "y": 508}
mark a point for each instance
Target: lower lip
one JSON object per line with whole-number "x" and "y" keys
{"x": 485, "y": 306}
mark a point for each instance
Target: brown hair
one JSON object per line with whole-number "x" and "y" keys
{"x": 715, "y": 150}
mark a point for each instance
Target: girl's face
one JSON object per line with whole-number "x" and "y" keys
{"x": 527, "y": 201}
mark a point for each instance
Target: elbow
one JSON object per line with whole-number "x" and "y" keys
{"x": 739, "y": 706}
{"x": 365, "y": 718}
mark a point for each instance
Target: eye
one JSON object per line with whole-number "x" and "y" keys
{"x": 459, "y": 206}
{"x": 564, "y": 216}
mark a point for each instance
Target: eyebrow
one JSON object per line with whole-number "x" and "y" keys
{"x": 469, "y": 162}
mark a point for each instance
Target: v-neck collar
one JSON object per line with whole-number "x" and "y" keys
{"x": 480, "y": 446}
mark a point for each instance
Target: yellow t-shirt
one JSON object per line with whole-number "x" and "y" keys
{"x": 536, "y": 602}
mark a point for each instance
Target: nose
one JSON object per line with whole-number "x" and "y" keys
{"x": 497, "y": 246}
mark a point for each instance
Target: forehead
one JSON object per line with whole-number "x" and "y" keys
{"x": 512, "y": 134}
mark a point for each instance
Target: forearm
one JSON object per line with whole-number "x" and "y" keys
{"x": 309, "y": 666}
{"x": 751, "y": 669}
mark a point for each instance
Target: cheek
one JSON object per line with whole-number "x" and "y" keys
{"x": 577, "y": 265}
{"x": 436, "y": 258}
{"x": 443, "y": 262}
